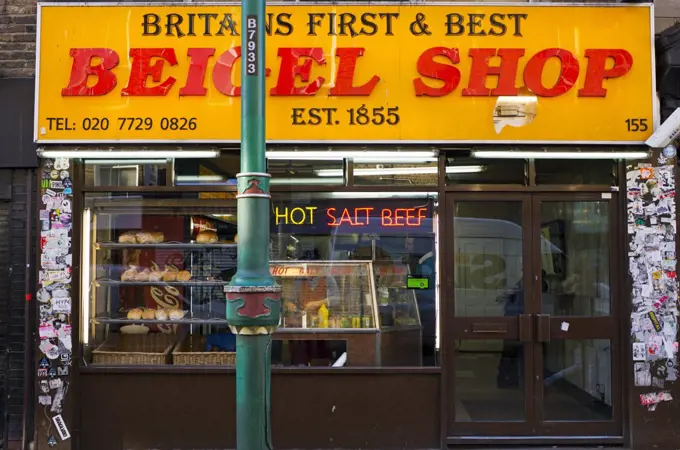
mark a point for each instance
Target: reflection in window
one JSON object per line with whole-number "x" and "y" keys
{"x": 208, "y": 171}
{"x": 118, "y": 173}
{"x": 490, "y": 385}
{"x": 574, "y": 171}
{"x": 488, "y": 258}
{"x": 575, "y": 258}
{"x": 463, "y": 170}
{"x": 295, "y": 172}
{"x": 577, "y": 380}
{"x": 396, "y": 174}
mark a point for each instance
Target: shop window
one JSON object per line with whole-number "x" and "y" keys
{"x": 120, "y": 173}
{"x": 574, "y": 171}
{"x": 358, "y": 279}
{"x": 464, "y": 170}
{"x": 154, "y": 269}
{"x": 208, "y": 171}
{"x": 361, "y": 271}
{"x": 407, "y": 174}
{"x": 293, "y": 172}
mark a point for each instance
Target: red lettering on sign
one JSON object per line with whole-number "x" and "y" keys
{"x": 533, "y": 72}
{"x": 222, "y": 72}
{"x": 506, "y": 71}
{"x": 344, "y": 82}
{"x": 430, "y": 68}
{"x": 291, "y": 68}
{"x": 597, "y": 72}
{"x": 142, "y": 68}
{"x": 329, "y": 213}
{"x": 196, "y": 76}
{"x": 82, "y": 69}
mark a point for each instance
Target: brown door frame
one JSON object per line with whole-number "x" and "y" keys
{"x": 580, "y": 327}
{"x": 529, "y": 327}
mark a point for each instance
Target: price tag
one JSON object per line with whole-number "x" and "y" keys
{"x": 252, "y": 45}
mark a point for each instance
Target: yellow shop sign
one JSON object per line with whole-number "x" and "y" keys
{"x": 334, "y": 73}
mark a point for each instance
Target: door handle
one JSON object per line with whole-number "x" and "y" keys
{"x": 543, "y": 327}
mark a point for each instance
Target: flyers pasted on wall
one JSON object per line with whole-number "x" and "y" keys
{"x": 54, "y": 293}
{"x": 652, "y": 230}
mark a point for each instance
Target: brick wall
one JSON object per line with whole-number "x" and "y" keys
{"x": 13, "y": 353}
{"x": 17, "y": 38}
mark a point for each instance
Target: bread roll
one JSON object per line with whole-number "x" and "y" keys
{"x": 134, "y": 314}
{"x": 157, "y": 237}
{"x": 206, "y": 237}
{"x": 183, "y": 275}
{"x": 127, "y": 238}
{"x": 236, "y": 238}
{"x": 170, "y": 275}
{"x": 143, "y": 275}
{"x": 149, "y": 314}
{"x": 176, "y": 314}
{"x": 129, "y": 275}
{"x": 144, "y": 238}
{"x": 156, "y": 275}
{"x": 161, "y": 314}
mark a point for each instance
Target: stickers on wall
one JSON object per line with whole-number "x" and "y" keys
{"x": 54, "y": 292}
{"x": 652, "y": 230}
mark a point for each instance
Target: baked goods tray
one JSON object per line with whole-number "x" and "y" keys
{"x": 175, "y": 245}
{"x": 121, "y": 318}
{"x": 108, "y": 282}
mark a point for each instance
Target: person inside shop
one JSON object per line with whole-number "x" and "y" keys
{"x": 311, "y": 294}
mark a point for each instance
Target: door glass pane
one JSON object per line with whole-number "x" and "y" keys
{"x": 577, "y": 380}
{"x": 489, "y": 381}
{"x": 488, "y": 258}
{"x": 575, "y": 258}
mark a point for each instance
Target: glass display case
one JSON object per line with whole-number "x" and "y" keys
{"x": 157, "y": 270}
{"x": 362, "y": 311}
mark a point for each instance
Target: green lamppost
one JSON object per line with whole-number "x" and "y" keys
{"x": 253, "y": 298}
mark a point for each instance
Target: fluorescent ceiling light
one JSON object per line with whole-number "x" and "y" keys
{"x": 199, "y": 178}
{"x": 308, "y": 181}
{"x": 129, "y": 154}
{"x": 400, "y": 171}
{"x": 379, "y": 195}
{"x": 500, "y": 154}
{"x": 116, "y": 162}
{"x": 359, "y": 156}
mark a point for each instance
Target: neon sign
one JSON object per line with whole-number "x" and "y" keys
{"x": 355, "y": 217}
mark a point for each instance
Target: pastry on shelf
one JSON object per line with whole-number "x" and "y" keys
{"x": 183, "y": 275}
{"x": 161, "y": 314}
{"x": 134, "y": 329}
{"x": 143, "y": 275}
{"x": 129, "y": 275}
{"x": 206, "y": 237}
{"x": 129, "y": 237}
{"x": 236, "y": 238}
{"x": 156, "y": 273}
{"x": 170, "y": 273}
{"x": 134, "y": 314}
{"x": 153, "y": 237}
{"x": 149, "y": 314}
{"x": 176, "y": 314}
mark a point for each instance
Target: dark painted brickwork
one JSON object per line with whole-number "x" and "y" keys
{"x": 13, "y": 229}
